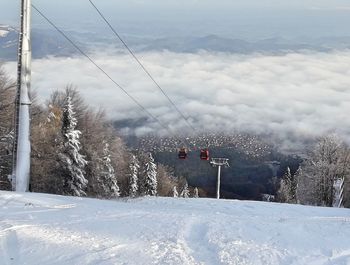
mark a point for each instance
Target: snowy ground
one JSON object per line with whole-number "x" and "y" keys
{"x": 46, "y": 229}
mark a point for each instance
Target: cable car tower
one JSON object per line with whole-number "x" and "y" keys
{"x": 21, "y": 153}
{"x": 219, "y": 162}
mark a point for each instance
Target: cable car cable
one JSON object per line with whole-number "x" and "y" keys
{"x": 141, "y": 65}
{"x": 109, "y": 77}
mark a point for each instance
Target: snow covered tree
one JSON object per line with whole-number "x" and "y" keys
{"x": 297, "y": 178}
{"x": 133, "y": 176}
{"x": 185, "y": 193}
{"x": 166, "y": 180}
{"x": 149, "y": 176}
{"x": 288, "y": 188}
{"x": 72, "y": 162}
{"x": 7, "y": 98}
{"x": 106, "y": 175}
{"x": 338, "y": 193}
{"x": 175, "y": 193}
{"x": 328, "y": 161}
{"x": 47, "y": 141}
{"x": 195, "y": 193}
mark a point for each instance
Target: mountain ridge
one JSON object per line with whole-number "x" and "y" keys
{"x": 48, "y": 42}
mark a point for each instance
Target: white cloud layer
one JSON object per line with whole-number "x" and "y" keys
{"x": 293, "y": 94}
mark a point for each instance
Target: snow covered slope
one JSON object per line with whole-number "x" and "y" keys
{"x": 47, "y": 229}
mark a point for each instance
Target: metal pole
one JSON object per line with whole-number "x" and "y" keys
{"x": 21, "y": 171}
{"x": 219, "y": 162}
{"x": 218, "y": 183}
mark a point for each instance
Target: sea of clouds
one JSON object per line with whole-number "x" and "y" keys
{"x": 299, "y": 94}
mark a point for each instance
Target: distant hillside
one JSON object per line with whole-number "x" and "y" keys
{"x": 254, "y": 168}
{"x": 44, "y": 43}
{"x": 48, "y": 42}
{"x": 8, "y": 43}
{"x": 246, "y": 178}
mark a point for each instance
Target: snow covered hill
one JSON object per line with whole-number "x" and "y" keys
{"x": 47, "y": 229}
{"x": 8, "y": 34}
{"x": 8, "y": 42}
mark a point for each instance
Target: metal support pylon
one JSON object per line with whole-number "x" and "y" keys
{"x": 21, "y": 162}
{"x": 219, "y": 162}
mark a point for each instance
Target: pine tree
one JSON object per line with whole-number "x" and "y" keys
{"x": 185, "y": 193}
{"x": 150, "y": 176}
{"x": 133, "y": 176}
{"x": 288, "y": 188}
{"x": 195, "y": 193}
{"x": 175, "y": 193}
{"x": 298, "y": 178}
{"x": 72, "y": 162}
{"x": 338, "y": 192}
{"x": 107, "y": 178}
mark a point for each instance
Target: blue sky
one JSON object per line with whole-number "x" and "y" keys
{"x": 244, "y": 19}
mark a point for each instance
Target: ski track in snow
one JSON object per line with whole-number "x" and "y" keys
{"x": 197, "y": 244}
{"x": 91, "y": 247}
{"x": 46, "y": 229}
{"x": 10, "y": 248}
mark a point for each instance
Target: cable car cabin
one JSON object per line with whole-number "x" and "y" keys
{"x": 182, "y": 153}
{"x": 204, "y": 155}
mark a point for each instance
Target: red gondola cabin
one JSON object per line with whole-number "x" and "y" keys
{"x": 204, "y": 155}
{"x": 182, "y": 153}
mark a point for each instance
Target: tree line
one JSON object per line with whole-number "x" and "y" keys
{"x": 76, "y": 151}
{"x": 323, "y": 177}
